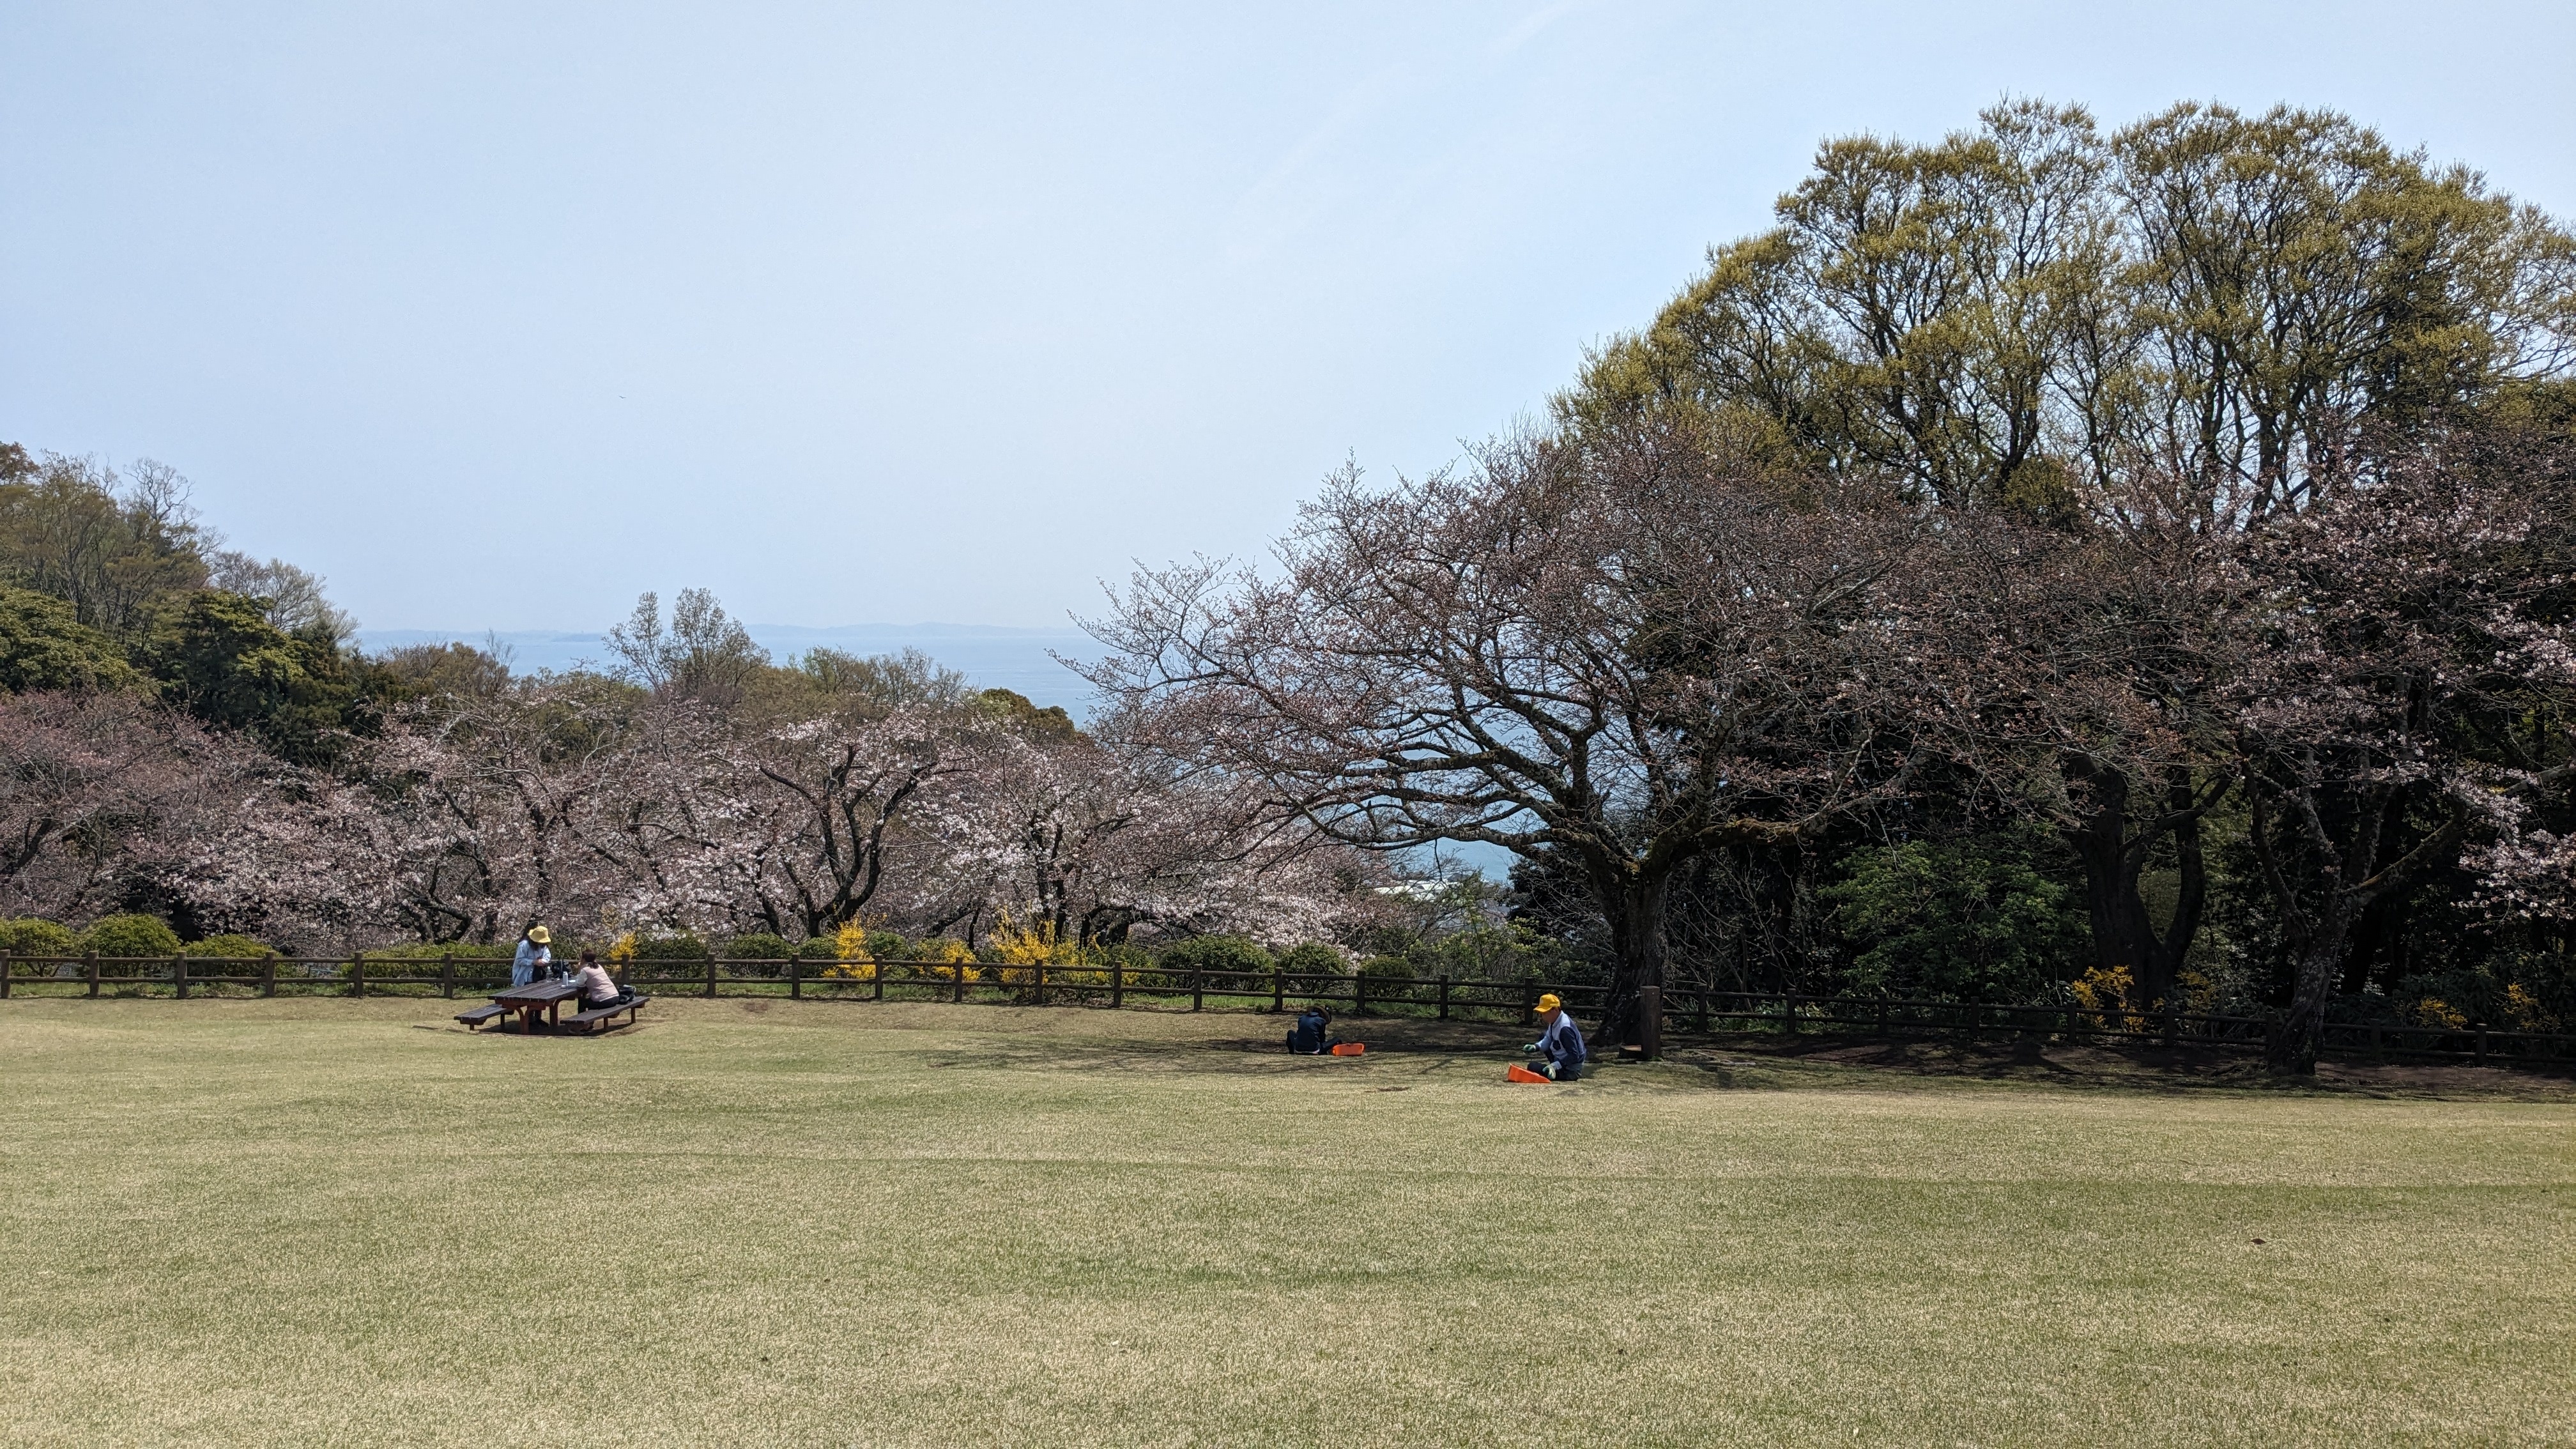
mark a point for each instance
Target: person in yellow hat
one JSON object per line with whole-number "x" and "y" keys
{"x": 534, "y": 958}
{"x": 1559, "y": 1047}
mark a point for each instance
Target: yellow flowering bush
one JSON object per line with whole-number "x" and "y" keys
{"x": 2434, "y": 1011}
{"x": 2103, "y": 994}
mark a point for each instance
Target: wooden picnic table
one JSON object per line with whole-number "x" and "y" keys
{"x": 536, "y": 996}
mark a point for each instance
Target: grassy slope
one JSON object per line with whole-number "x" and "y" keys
{"x": 332, "y": 1222}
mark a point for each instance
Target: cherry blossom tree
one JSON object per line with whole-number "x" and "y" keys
{"x": 2409, "y": 691}
{"x": 1630, "y": 648}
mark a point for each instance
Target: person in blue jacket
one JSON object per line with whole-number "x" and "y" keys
{"x": 1559, "y": 1047}
{"x": 534, "y": 957}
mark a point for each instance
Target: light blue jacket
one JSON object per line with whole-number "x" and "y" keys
{"x": 531, "y": 956}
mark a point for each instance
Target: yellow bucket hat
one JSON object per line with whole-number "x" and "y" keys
{"x": 539, "y": 935}
{"x": 1549, "y": 1002}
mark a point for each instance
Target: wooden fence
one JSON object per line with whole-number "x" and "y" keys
{"x": 1685, "y": 1011}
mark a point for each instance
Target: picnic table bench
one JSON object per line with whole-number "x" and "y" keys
{"x": 526, "y": 1001}
{"x": 591, "y": 1019}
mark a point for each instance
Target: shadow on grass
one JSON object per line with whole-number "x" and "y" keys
{"x": 1753, "y": 1062}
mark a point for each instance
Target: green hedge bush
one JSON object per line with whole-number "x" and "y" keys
{"x": 1313, "y": 958}
{"x": 130, "y": 936}
{"x": 759, "y": 946}
{"x": 1213, "y": 953}
{"x": 35, "y": 936}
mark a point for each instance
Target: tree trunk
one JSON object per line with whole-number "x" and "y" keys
{"x": 1635, "y": 908}
{"x": 2123, "y": 935}
{"x": 2319, "y": 968}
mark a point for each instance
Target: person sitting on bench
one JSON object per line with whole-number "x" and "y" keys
{"x": 597, "y": 987}
{"x": 1561, "y": 1042}
{"x": 1309, "y": 1037}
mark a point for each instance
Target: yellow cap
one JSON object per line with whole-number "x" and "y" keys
{"x": 1549, "y": 1002}
{"x": 538, "y": 935}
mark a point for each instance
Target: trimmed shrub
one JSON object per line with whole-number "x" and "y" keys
{"x": 677, "y": 946}
{"x": 229, "y": 947}
{"x": 758, "y": 946}
{"x": 1314, "y": 958}
{"x": 130, "y": 936}
{"x": 35, "y": 936}
{"x": 1390, "y": 978}
{"x": 1213, "y": 953}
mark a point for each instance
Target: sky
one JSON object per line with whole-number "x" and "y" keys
{"x": 497, "y": 315}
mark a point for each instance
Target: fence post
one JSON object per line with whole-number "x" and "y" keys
{"x": 179, "y": 976}
{"x": 358, "y": 974}
{"x": 1650, "y": 1022}
{"x": 1278, "y": 990}
{"x": 960, "y": 968}
{"x": 1444, "y": 996}
{"x": 1789, "y": 1012}
{"x": 93, "y": 975}
{"x": 1703, "y": 1008}
{"x": 711, "y": 978}
{"x": 1529, "y": 1002}
{"x": 1359, "y": 993}
{"x": 1117, "y": 983}
{"x": 4, "y": 975}
{"x": 795, "y": 979}
{"x": 1042, "y": 983}
{"x": 268, "y": 976}
{"x": 2482, "y": 1041}
{"x": 1198, "y": 987}
{"x": 876, "y": 973}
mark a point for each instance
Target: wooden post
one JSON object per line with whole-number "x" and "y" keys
{"x": 268, "y": 976}
{"x": 1278, "y": 990}
{"x": 1789, "y": 1012}
{"x": 795, "y": 980}
{"x": 2482, "y": 1041}
{"x": 179, "y": 976}
{"x": 93, "y": 975}
{"x": 4, "y": 975}
{"x": 1444, "y": 996}
{"x": 358, "y": 974}
{"x": 1117, "y": 983}
{"x": 1198, "y": 987}
{"x": 1650, "y": 1022}
{"x": 876, "y": 975}
{"x": 1529, "y": 1002}
{"x": 1359, "y": 993}
{"x": 711, "y": 978}
{"x": 1703, "y": 1008}
{"x": 1041, "y": 983}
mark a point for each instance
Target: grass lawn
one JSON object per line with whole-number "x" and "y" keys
{"x": 335, "y": 1222}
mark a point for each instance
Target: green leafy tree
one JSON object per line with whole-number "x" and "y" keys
{"x": 112, "y": 546}
{"x": 222, "y": 660}
{"x": 1972, "y": 920}
{"x": 43, "y": 645}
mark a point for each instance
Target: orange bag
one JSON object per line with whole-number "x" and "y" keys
{"x": 1519, "y": 1073}
{"x": 1349, "y": 1048}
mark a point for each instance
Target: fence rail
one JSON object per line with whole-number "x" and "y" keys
{"x": 1685, "y": 1011}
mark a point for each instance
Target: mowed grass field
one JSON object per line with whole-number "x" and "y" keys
{"x": 336, "y": 1222}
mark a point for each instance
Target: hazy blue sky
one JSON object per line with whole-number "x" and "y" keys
{"x": 499, "y": 314}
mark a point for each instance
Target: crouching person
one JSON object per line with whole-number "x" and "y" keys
{"x": 596, "y": 986}
{"x": 1312, "y": 1035}
{"x": 1559, "y": 1048}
